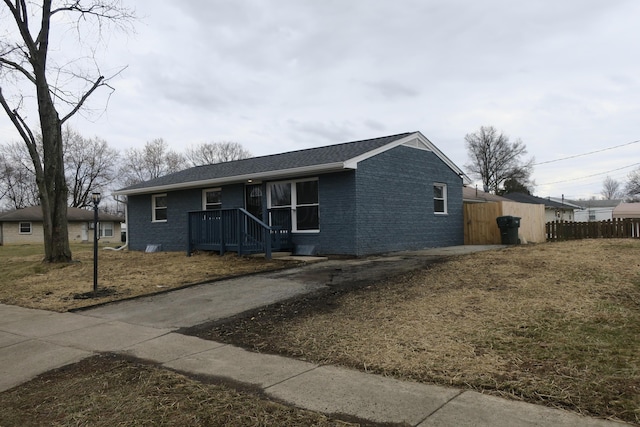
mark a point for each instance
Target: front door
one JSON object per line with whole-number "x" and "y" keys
{"x": 253, "y": 200}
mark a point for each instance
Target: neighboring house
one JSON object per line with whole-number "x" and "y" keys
{"x": 594, "y": 210}
{"x": 25, "y": 226}
{"x": 473, "y": 195}
{"x": 627, "y": 210}
{"x": 378, "y": 195}
{"x": 553, "y": 210}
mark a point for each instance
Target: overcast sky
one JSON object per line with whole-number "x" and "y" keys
{"x": 281, "y": 75}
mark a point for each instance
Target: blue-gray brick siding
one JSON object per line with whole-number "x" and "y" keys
{"x": 385, "y": 205}
{"x": 394, "y": 202}
{"x": 172, "y": 234}
{"x": 337, "y": 215}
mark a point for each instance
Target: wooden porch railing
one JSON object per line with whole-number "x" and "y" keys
{"x": 616, "y": 228}
{"x": 234, "y": 230}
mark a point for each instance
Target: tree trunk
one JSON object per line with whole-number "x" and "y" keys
{"x": 52, "y": 184}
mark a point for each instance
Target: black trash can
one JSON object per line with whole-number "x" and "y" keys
{"x": 509, "y": 226}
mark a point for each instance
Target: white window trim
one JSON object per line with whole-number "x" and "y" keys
{"x": 444, "y": 199}
{"x": 20, "y": 228}
{"x": 102, "y": 228}
{"x": 153, "y": 207}
{"x": 204, "y": 196}
{"x": 294, "y": 203}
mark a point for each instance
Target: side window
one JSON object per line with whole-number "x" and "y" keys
{"x": 106, "y": 229}
{"x": 24, "y": 228}
{"x": 440, "y": 198}
{"x": 211, "y": 199}
{"x": 159, "y": 207}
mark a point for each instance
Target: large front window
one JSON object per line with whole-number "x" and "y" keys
{"x": 307, "y": 205}
{"x": 297, "y": 202}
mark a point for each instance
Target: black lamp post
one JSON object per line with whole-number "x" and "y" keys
{"x": 95, "y": 198}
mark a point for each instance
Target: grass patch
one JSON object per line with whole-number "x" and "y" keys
{"x": 28, "y": 282}
{"x": 555, "y": 324}
{"x": 111, "y": 391}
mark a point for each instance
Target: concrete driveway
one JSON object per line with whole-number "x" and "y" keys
{"x": 217, "y": 300}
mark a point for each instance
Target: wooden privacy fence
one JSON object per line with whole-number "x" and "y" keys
{"x": 481, "y": 228}
{"x": 609, "y": 229}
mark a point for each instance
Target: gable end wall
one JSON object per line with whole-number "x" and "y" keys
{"x": 394, "y": 192}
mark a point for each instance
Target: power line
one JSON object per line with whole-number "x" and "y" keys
{"x": 589, "y": 176}
{"x": 586, "y": 154}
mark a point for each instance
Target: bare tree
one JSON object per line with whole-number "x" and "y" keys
{"x": 18, "y": 187}
{"x": 25, "y": 58}
{"x": 90, "y": 166}
{"x": 632, "y": 189}
{"x": 494, "y": 159}
{"x": 150, "y": 162}
{"x": 611, "y": 189}
{"x": 209, "y": 153}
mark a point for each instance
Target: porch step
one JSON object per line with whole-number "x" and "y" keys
{"x": 287, "y": 256}
{"x": 274, "y": 255}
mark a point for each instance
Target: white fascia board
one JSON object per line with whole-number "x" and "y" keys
{"x": 353, "y": 163}
{"x": 426, "y": 144}
{"x": 270, "y": 175}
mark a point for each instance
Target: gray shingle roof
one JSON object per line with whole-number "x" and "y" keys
{"x": 526, "y": 198}
{"x": 275, "y": 162}
{"x": 597, "y": 203}
{"x": 34, "y": 213}
{"x": 474, "y": 195}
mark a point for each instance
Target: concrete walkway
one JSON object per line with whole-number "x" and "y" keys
{"x": 34, "y": 341}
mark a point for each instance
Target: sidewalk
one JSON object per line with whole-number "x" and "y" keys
{"x": 34, "y": 341}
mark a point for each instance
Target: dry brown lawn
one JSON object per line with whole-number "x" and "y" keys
{"x": 26, "y": 281}
{"x": 106, "y": 391}
{"x": 554, "y": 323}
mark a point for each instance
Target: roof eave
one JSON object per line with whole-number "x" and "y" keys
{"x": 271, "y": 175}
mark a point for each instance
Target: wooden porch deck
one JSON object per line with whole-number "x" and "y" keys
{"x": 235, "y": 230}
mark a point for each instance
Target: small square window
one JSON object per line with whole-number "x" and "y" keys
{"x": 106, "y": 229}
{"x": 24, "y": 228}
{"x": 212, "y": 199}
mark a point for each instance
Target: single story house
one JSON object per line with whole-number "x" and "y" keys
{"x": 378, "y": 195}
{"x": 22, "y": 226}
{"x": 627, "y": 210}
{"x": 594, "y": 210}
{"x": 553, "y": 210}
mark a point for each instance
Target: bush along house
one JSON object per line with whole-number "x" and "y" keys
{"x": 378, "y": 195}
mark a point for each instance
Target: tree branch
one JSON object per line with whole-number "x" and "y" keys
{"x": 21, "y": 18}
{"x": 13, "y": 116}
{"x": 18, "y": 67}
{"x": 75, "y": 109}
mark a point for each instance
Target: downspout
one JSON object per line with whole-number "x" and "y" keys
{"x": 126, "y": 236}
